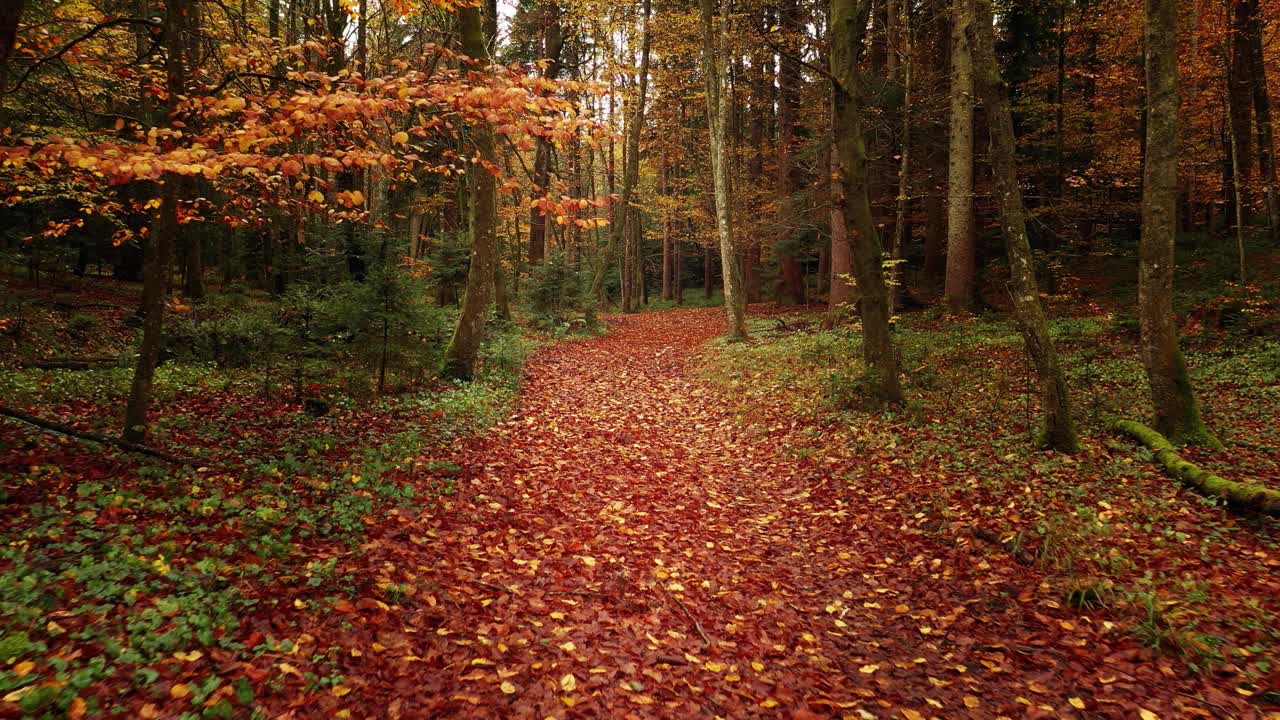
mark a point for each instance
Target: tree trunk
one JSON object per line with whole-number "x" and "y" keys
{"x": 1177, "y": 415}
{"x": 678, "y": 270}
{"x": 902, "y": 38}
{"x": 848, "y": 29}
{"x": 719, "y": 107}
{"x": 10, "y": 18}
{"x": 1057, "y": 429}
{"x": 464, "y": 346}
{"x": 789, "y": 181}
{"x": 842, "y": 290}
{"x": 1240, "y": 99}
{"x": 194, "y": 286}
{"x": 707, "y": 273}
{"x": 960, "y": 224}
{"x": 552, "y": 47}
{"x": 630, "y": 170}
{"x": 160, "y": 240}
{"x": 935, "y": 205}
{"x": 1262, "y": 112}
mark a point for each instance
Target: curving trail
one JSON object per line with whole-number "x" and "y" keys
{"x": 623, "y": 547}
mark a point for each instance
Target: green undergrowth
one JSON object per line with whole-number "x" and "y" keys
{"x": 1108, "y": 530}
{"x": 120, "y": 578}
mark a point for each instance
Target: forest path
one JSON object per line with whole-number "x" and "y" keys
{"x": 624, "y": 547}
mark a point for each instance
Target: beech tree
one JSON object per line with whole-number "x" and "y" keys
{"x": 960, "y": 226}
{"x": 1057, "y": 427}
{"x": 848, "y": 32}
{"x": 715, "y": 64}
{"x": 1177, "y": 414}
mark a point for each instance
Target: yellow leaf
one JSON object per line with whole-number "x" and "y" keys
{"x": 179, "y": 691}
{"x": 868, "y": 669}
{"x": 569, "y": 683}
{"x": 713, "y": 666}
{"x": 1076, "y": 703}
{"x": 911, "y": 714}
{"x": 481, "y": 661}
{"x": 191, "y": 656}
{"x": 400, "y": 138}
{"x": 315, "y": 196}
{"x": 24, "y": 668}
{"x": 971, "y": 702}
{"x": 769, "y": 703}
{"x": 340, "y": 690}
{"x": 1146, "y": 714}
{"x": 757, "y": 666}
{"x": 507, "y": 687}
{"x": 568, "y": 646}
{"x": 76, "y": 711}
{"x": 588, "y": 561}
{"x": 287, "y": 669}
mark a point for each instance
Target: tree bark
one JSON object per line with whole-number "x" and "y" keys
{"x": 630, "y": 170}
{"x": 1245, "y": 495}
{"x": 10, "y": 18}
{"x": 960, "y": 223}
{"x": 848, "y": 30}
{"x": 719, "y": 106}
{"x": 1262, "y": 114}
{"x": 789, "y": 181}
{"x": 160, "y": 240}
{"x": 464, "y": 346}
{"x": 194, "y": 287}
{"x": 1057, "y": 430}
{"x": 553, "y": 46}
{"x": 902, "y": 39}
{"x": 1177, "y": 415}
{"x": 1240, "y": 98}
{"x": 842, "y": 290}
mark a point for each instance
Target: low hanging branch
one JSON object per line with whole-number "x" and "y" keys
{"x": 94, "y": 437}
{"x": 1245, "y": 495}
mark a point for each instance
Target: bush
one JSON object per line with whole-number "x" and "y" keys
{"x": 555, "y": 290}
{"x": 81, "y": 326}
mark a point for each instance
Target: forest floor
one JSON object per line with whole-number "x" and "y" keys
{"x": 665, "y": 528}
{"x": 628, "y": 546}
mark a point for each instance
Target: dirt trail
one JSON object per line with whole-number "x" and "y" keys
{"x": 625, "y": 548}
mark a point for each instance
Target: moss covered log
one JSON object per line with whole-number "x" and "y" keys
{"x": 1245, "y": 495}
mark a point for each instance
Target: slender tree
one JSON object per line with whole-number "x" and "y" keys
{"x": 159, "y": 242}
{"x": 631, "y": 167}
{"x": 464, "y": 346}
{"x": 960, "y": 227}
{"x": 1057, "y": 429}
{"x": 715, "y": 63}
{"x": 1262, "y": 113}
{"x": 1177, "y": 414}
{"x": 848, "y": 32}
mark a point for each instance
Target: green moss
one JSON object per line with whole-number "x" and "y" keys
{"x": 1247, "y": 495}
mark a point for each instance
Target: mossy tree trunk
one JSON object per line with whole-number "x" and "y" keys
{"x": 848, "y": 30}
{"x": 1245, "y": 495}
{"x": 464, "y": 346}
{"x": 1057, "y": 429}
{"x": 1177, "y": 415}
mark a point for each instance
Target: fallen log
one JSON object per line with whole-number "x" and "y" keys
{"x": 1244, "y": 495}
{"x": 69, "y": 431}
